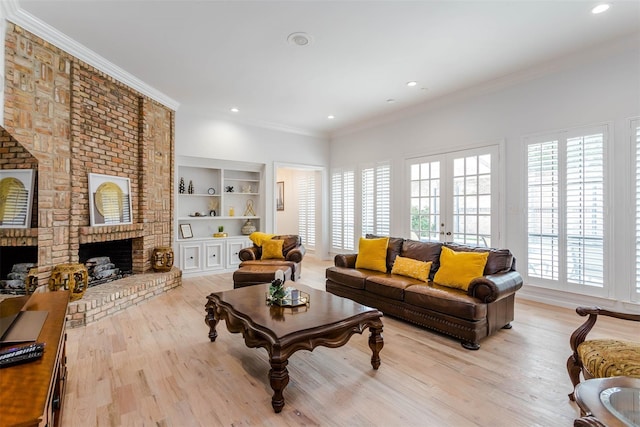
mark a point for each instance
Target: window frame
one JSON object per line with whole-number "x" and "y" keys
{"x": 562, "y": 283}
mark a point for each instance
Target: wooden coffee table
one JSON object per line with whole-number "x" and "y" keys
{"x": 329, "y": 320}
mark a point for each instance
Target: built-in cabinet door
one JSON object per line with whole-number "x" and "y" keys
{"x": 190, "y": 256}
{"x": 233, "y": 251}
{"x": 213, "y": 256}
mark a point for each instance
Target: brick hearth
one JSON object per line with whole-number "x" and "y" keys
{"x": 109, "y": 298}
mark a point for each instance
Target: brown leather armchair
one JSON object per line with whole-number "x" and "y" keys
{"x": 293, "y": 251}
{"x": 601, "y": 358}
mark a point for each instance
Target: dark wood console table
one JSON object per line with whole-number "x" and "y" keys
{"x": 31, "y": 394}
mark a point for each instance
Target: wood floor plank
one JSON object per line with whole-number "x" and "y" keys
{"x": 153, "y": 365}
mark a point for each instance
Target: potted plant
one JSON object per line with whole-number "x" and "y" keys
{"x": 220, "y": 232}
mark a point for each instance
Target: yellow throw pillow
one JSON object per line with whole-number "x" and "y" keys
{"x": 272, "y": 249}
{"x": 372, "y": 254}
{"x": 458, "y": 269}
{"x": 412, "y": 268}
{"x": 259, "y": 237}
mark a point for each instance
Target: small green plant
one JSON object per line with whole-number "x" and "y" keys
{"x": 220, "y": 228}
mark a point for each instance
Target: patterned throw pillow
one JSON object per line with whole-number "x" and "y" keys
{"x": 412, "y": 268}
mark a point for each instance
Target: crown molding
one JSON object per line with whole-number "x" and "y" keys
{"x": 43, "y": 30}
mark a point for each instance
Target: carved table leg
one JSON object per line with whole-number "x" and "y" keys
{"x": 375, "y": 343}
{"x": 279, "y": 378}
{"x": 211, "y": 320}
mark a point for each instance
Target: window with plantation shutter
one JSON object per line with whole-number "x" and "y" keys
{"x": 635, "y": 140}
{"x": 566, "y": 208}
{"x": 376, "y": 200}
{"x": 342, "y": 209}
{"x": 307, "y": 209}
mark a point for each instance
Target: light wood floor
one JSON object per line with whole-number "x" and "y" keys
{"x": 153, "y": 365}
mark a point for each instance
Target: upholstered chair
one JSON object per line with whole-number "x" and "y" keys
{"x": 290, "y": 253}
{"x": 600, "y": 358}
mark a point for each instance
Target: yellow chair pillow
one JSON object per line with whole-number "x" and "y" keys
{"x": 412, "y": 268}
{"x": 259, "y": 237}
{"x": 372, "y": 254}
{"x": 458, "y": 269}
{"x": 272, "y": 249}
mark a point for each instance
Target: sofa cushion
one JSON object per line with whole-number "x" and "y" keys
{"x": 499, "y": 261}
{"x": 372, "y": 254}
{"x": 412, "y": 268}
{"x": 393, "y": 249}
{"x": 272, "y": 249}
{"x": 350, "y": 277}
{"x": 458, "y": 269}
{"x": 423, "y": 251}
{"x": 389, "y": 286}
{"x": 454, "y": 302}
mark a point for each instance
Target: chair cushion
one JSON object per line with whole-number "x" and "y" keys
{"x": 272, "y": 249}
{"x": 605, "y": 358}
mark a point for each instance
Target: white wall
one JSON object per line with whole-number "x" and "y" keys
{"x": 204, "y": 136}
{"x": 287, "y": 220}
{"x": 602, "y": 86}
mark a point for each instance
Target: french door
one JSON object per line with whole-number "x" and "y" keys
{"x": 454, "y": 197}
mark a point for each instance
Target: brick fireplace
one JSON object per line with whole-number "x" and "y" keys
{"x": 65, "y": 119}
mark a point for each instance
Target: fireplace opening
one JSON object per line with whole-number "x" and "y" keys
{"x": 107, "y": 261}
{"x": 15, "y": 262}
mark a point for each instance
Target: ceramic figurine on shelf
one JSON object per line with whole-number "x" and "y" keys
{"x": 181, "y": 186}
{"x": 190, "y": 187}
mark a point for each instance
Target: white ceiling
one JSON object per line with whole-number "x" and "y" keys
{"x": 214, "y": 55}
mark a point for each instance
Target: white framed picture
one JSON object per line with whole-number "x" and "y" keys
{"x": 16, "y": 198}
{"x": 109, "y": 200}
{"x": 185, "y": 230}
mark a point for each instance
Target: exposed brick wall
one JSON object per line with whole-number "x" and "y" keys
{"x": 76, "y": 120}
{"x": 14, "y": 156}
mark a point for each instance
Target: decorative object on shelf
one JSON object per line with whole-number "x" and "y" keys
{"x": 162, "y": 259}
{"x": 211, "y": 191}
{"x": 190, "y": 189}
{"x": 185, "y": 230}
{"x": 72, "y": 277}
{"x": 181, "y": 186}
{"x": 220, "y": 232}
{"x": 16, "y": 198}
{"x": 246, "y": 188}
{"x": 229, "y": 188}
{"x": 248, "y": 228}
{"x": 249, "y": 211}
{"x": 280, "y": 196}
{"x": 110, "y": 200}
{"x": 232, "y": 211}
{"x": 213, "y": 212}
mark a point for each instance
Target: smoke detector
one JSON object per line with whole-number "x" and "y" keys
{"x": 299, "y": 39}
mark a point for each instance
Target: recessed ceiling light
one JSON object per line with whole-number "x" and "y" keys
{"x": 600, "y": 8}
{"x": 299, "y": 39}
{"x": 412, "y": 84}
{"x": 390, "y": 101}
{"x": 331, "y": 117}
{"x": 234, "y": 110}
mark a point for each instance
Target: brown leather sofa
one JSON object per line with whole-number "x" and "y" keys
{"x": 292, "y": 249}
{"x": 469, "y": 316}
